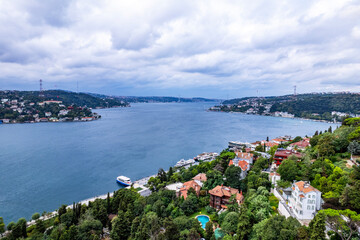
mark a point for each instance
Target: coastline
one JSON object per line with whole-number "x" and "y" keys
{"x": 298, "y": 118}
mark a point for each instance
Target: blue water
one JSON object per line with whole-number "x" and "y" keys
{"x": 203, "y": 220}
{"x": 45, "y": 165}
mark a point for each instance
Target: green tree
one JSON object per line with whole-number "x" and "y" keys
{"x": 209, "y": 230}
{"x": 19, "y": 229}
{"x": 343, "y": 222}
{"x": 171, "y": 230}
{"x": 120, "y": 227}
{"x": 2, "y": 225}
{"x": 354, "y": 148}
{"x": 35, "y": 216}
{"x": 325, "y": 145}
{"x": 244, "y": 224}
{"x": 317, "y": 227}
{"x": 233, "y": 176}
{"x": 288, "y": 170}
{"x": 229, "y": 224}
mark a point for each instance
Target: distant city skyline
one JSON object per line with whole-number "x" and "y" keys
{"x": 213, "y": 49}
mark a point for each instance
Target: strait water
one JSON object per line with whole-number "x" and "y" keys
{"x": 45, "y": 165}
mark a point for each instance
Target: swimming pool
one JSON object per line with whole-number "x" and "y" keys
{"x": 203, "y": 219}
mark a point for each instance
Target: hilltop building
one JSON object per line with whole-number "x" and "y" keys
{"x": 305, "y": 200}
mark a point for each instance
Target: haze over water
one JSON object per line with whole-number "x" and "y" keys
{"x": 48, "y": 164}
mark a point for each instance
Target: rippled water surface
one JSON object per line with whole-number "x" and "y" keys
{"x": 45, "y": 165}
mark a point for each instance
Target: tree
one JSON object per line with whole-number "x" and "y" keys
{"x": 233, "y": 176}
{"x": 35, "y": 216}
{"x": 209, "y": 230}
{"x": 325, "y": 145}
{"x": 120, "y": 227}
{"x": 351, "y": 196}
{"x": 19, "y": 229}
{"x": 288, "y": 170}
{"x": 171, "y": 230}
{"x": 229, "y": 224}
{"x": 2, "y": 225}
{"x": 244, "y": 225}
{"x": 343, "y": 222}
{"x": 354, "y": 148}
{"x": 317, "y": 227}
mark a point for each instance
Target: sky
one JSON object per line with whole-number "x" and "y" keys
{"x": 216, "y": 49}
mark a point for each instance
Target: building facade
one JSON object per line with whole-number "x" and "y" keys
{"x": 220, "y": 196}
{"x": 305, "y": 200}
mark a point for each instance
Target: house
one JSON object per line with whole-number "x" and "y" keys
{"x": 194, "y": 184}
{"x": 175, "y": 187}
{"x": 282, "y": 154}
{"x": 274, "y": 177}
{"x": 244, "y": 165}
{"x": 305, "y": 200}
{"x": 220, "y": 196}
{"x": 279, "y": 140}
{"x": 63, "y": 112}
{"x": 301, "y": 144}
{"x": 248, "y": 157}
{"x": 47, "y": 114}
{"x": 200, "y": 177}
{"x": 181, "y": 189}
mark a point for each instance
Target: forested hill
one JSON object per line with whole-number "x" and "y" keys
{"x": 67, "y": 97}
{"x": 314, "y": 106}
{"x": 156, "y": 99}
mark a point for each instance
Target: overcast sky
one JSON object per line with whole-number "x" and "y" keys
{"x": 190, "y": 48}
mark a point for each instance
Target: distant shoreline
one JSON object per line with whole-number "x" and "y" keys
{"x": 298, "y": 118}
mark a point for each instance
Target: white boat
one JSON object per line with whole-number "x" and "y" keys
{"x": 124, "y": 180}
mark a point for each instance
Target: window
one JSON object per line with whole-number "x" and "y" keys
{"x": 313, "y": 207}
{"x": 308, "y": 207}
{"x": 313, "y": 196}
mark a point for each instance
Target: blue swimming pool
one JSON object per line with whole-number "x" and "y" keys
{"x": 203, "y": 219}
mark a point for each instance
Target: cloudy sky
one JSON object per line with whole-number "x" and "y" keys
{"x": 189, "y": 48}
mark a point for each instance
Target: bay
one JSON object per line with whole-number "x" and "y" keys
{"x": 45, "y": 165}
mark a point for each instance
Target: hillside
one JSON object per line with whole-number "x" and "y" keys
{"x": 155, "y": 99}
{"x": 320, "y": 106}
{"x": 67, "y": 97}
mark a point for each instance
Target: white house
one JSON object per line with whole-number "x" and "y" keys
{"x": 274, "y": 177}
{"x": 305, "y": 200}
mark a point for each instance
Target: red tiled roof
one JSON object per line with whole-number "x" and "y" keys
{"x": 302, "y": 144}
{"x": 244, "y": 155}
{"x": 221, "y": 191}
{"x": 200, "y": 177}
{"x": 305, "y": 188}
{"x": 243, "y": 165}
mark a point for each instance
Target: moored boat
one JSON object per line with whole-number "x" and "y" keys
{"x": 124, "y": 180}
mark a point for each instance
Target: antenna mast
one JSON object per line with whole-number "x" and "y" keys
{"x": 41, "y": 93}
{"x": 295, "y": 90}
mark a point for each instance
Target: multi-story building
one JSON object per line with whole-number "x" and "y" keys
{"x": 283, "y": 154}
{"x": 305, "y": 200}
{"x": 220, "y": 196}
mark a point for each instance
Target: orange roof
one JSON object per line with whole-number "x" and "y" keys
{"x": 274, "y": 173}
{"x": 305, "y": 188}
{"x": 244, "y": 155}
{"x": 200, "y": 177}
{"x": 187, "y": 185}
{"x": 243, "y": 165}
{"x": 301, "y": 195}
{"x": 271, "y": 144}
{"x": 223, "y": 206}
{"x": 231, "y": 162}
{"x": 221, "y": 191}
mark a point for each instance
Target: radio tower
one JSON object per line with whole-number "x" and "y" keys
{"x": 295, "y": 90}
{"x": 41, "y": 93}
